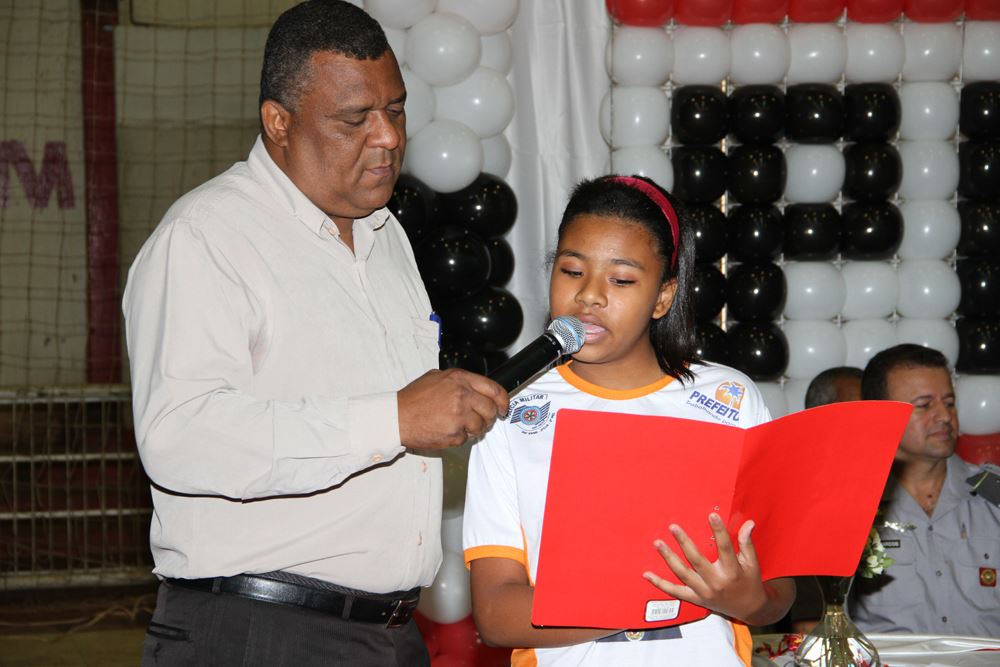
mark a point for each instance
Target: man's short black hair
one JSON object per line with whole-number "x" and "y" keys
{"x": 823, "y": 388}
{"x": 314, "y": 25}
{"x": 874, "y": 382}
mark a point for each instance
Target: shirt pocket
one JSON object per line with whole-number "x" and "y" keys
{"x": 899, "y": 585}
{"x": 976, "y": 565}
{"x": 426, "y": 340}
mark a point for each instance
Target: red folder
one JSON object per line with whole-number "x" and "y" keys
{"x": 811, "y": 481}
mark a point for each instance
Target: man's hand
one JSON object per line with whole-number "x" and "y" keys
{"x": 443, "y": 409}
{"x": 730, "y": 586}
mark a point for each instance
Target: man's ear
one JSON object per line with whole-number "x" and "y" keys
{"x": 665, "y": 299}
{"x": 276, "y": 121}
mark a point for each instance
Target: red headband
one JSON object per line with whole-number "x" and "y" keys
{"x": 657, "y": 198}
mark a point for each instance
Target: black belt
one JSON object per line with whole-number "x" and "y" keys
{"x": 392, "y": 612}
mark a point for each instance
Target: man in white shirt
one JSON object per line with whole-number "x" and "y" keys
{"x": 944, "y": 540}
{"x": 281, "y": 347}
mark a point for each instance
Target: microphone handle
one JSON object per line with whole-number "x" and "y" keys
{"x": 524, "y": 365}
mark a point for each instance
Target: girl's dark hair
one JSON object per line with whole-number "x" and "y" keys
{"x": 672, "y": 335}
{"x": 314, "y": 25}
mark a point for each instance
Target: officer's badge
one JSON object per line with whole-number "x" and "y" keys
{"x": 988, "y": 576}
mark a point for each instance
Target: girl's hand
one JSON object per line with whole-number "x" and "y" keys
{"x": 730, "y": 586}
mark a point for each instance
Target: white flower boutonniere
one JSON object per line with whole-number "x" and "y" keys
{"x": 874, "y": 560}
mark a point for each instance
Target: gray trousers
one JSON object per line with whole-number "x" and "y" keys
{"x": 193, "y": 628}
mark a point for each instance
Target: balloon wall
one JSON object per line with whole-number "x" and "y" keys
{"x": 455, "y": 207}
{"x": 842, "y": 160}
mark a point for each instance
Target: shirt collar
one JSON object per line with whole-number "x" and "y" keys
{"x": 302, "y": 208}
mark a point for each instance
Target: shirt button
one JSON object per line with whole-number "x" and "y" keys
{"x": 423, "y": 466}
{"x": 420, "y": 539}
{"x": 944, "y": 619}
{"x": 930, "y": 529}
{"x": 938, "y": 573}
{"x": 377, "y": 458}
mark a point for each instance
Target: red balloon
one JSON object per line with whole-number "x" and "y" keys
{"x": 932, "y": 11}
{"x": 703, "y": 12}
{"x": 759, "y": 11}
{"x": 982, "y": 10}
{"x": 815, "y": 11}
{"x": 641, "y": 12}
{"x": 978, "y": 449}
{"x": 874, "y": 11}
{"x": 460, "y": 638}
{"x": 448, "y": 660}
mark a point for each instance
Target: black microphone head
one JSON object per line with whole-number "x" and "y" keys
{"x": 569, "y": 332}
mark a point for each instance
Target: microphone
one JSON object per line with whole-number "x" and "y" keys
{"x": 565, "y": 335}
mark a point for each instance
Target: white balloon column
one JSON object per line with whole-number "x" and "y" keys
{"x": 455, "y": 56}
{"x": 841, "y": 167}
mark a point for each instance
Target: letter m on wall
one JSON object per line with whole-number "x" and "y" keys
{"x": 54, "y": 174}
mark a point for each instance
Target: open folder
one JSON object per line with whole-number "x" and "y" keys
{"x": 811, "y": 482}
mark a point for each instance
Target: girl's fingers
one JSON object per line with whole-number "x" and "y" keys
{"x": 690, "y": 578}
{"x": 748, "y": 554}
{"x": 690, "y": 551}
{"x": 727, "y": 555}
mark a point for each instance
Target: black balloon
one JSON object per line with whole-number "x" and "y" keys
{"x": 979, "y": 115}
{"x": 453, "y": 262}
{"x": 489, "y": 320}
{"x": 979, "y": 169}
{"x": 814, "y": 113}
{"x": 812, "y": 232}
{"x": 415, "y": 205}
{"x": 757, "y": 114}
{"x": 872, "y": 112}
{"x": 756, "y": 174}
{"x": 487, "y": 206}
{"x": 698, "y": 115}
{"x": 980, "y": 280}
{"x": 758, "y": 349}
{"x": 755, "y": 292}
{"x": 980, "y": 228}
{"x": 872, "y": 230}
{"x": 501, "y": 261}
{"x": 754, "y": 233}
{"x": 699, "y": 173}
{"x": 708, "y": 290}
{"x": 978, "y": 345}
{"x": 709, "y": 225}
{"x": 459, "y": 355}
{"x": 711, "y": 343}
{"x": 874, "y": 171}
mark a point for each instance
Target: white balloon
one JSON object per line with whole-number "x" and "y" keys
{"x": 399, "y": 14}
{"x": 759, "y": 53}
{"x": 419, "y": 102}
{"x": 929, "y": 110}
{"x": 489, "y": 16}
{"x": 978, "y": 400}
{"x": 813, "y": 346}
{"x": 795, "y": 394}
{"x": 443, "y": 49}
{"x": 815, "y": 173}
{"x": 871, "y": 290}
{"x": 937, "y": 334}
{"x": 874, "y": 52}
{"x": 931, "y": 229}
{"x": 635, "y": 116}
{"x": 639, "y": 56}
{"x": 815, "y": 291}
{"x": 701, "y": 55}
{"x": 497, "y": 52}
{"x": 496, "y": 156}
{"x": 445, "y": 155}
{"x": 933, "y": 51}
{"x": 648, "y": 161}
{"x": 818, "y": 53}
{"x": 865, "y": 338}
{"x": 397, "y": 42}
{"x": 774, "y": 398}
{"x": 451, "y": 532}
{"x": 448, "y": 599}
{"x": 981, "y": 51}
{"x": 928, "y": 288}
{"x": 483, "y": 102}
{"x": 930, "y": 169}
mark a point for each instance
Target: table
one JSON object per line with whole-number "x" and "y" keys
{"x": 895, "y": 650}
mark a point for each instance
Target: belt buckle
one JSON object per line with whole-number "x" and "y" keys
{"x": 402, "y": 611}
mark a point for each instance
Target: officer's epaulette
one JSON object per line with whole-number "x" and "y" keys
{"x": 986, "y": 484}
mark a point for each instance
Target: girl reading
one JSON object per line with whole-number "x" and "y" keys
{"x": 623, "y": 266}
